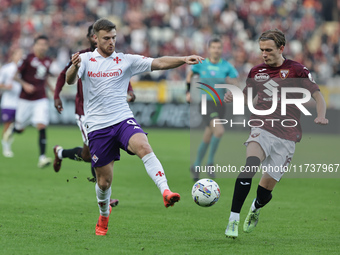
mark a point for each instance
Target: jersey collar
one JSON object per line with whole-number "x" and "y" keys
{"x": 96, "y": 54}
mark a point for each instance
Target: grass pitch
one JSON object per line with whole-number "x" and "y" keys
{"x": 42, "y": 212}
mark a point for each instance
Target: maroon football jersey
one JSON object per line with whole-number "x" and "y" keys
{"x": 34, "y": 71}
{"x": 262, "y": 79}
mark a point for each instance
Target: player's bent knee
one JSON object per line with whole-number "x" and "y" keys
{"x": 219, "y": 134}
{"x": 104, "y": 183}
{"x": 143, "y": 150}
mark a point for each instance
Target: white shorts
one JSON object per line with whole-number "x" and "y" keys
{"x": 80, "y": 123}
{"x": 279, "y": 152}
{"x": 32, "y": 112}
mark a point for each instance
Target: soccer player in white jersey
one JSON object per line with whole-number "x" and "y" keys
{"x": 272, "y": 146}
{"x": 9, "y": 99}
{"x": 110, "y": 123}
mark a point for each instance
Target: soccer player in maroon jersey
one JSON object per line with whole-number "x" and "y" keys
{"x": 271, "y": 145}
{"x": 33, "y": 107}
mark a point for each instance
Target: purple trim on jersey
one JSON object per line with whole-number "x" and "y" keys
{"x": 105, "y": 143}
{"x": 8, "y": 115}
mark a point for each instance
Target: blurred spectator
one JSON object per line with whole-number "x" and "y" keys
{"x": 180, "y": 27}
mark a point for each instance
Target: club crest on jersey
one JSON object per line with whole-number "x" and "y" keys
{"x": 95, "y": 158}
{"x": 261, "y": 77}
{"x": 117, "y": 59}
{"x": 92, "y": 60}
{"x": 284, "y": 73}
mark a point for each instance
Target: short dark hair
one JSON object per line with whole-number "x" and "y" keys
{"x": 214, "y": 39}
{"x": 103, "y": 24}
{"x": 89, "y": 31}
{"x": 274, "y": 34}
{"x": 40, "y": 37}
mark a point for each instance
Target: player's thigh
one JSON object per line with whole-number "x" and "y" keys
{"x": 139, "y": 145}
{"x": 281, "y": 154}
{"x": 254, "y": 149}
{"x": 104, "y": 147}
{"x": 259, "y": 143}
{"x": 132, "y": 138}
{"x": 23, "y": 113}
{"x": 41, "y": 112}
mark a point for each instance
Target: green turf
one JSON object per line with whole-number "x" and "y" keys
{"x": 42, "y": 212}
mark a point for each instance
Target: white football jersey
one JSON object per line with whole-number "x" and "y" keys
{"x": 105, "y": 82}
{"x": 9, "y": 99}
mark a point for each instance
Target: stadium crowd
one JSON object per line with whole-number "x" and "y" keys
{"x": 180, "y": 27}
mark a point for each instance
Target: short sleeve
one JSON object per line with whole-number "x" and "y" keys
{"x": 196, "y": 68}
{"x": 307, "y": 80}
{"x": 139, "y": 64}
{"x": 23, "y": 64}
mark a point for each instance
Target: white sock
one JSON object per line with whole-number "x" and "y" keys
{"x": 234, "y": 216}
{"x": 60, "y": 154}
{"x": 253, "y": 208}
{"x": 5, "y": 146}
{"x": 155, "y": 171}
{"x": 103, "y": 199}
{"x": 42, "y": 156}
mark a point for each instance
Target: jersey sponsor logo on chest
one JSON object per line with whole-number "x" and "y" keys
{"x": 108, "y": 73}
{"x": 261, "y": 77}
{"x": 36, "y": 62}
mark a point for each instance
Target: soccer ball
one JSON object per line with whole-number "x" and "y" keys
{"x": 205, "y": 192}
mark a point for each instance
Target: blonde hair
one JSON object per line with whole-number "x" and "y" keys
{"x": 274, "y": 34}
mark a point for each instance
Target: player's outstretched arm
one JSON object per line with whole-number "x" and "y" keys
{"x": 320, "y": 108}
{"x": 164, "y": 63}
{"x": 71, "y": 74}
